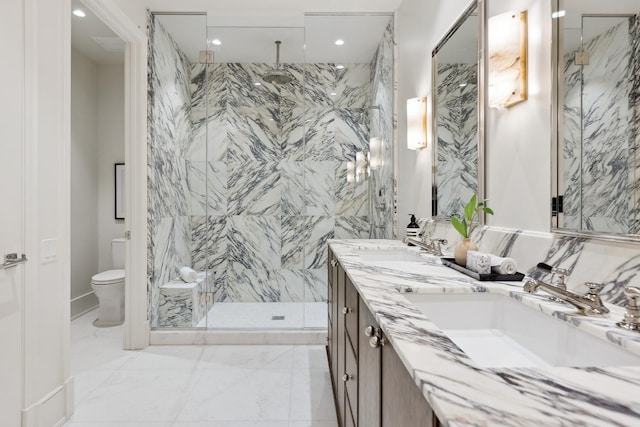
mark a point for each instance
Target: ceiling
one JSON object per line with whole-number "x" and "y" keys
{"x": 313, "y": 42}
{"x": 87, "y": 33}
{"x": 575, "y": 9}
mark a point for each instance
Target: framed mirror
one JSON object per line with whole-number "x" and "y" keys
{"x": 457, "y": 114}
{"x": 596, "y": 180}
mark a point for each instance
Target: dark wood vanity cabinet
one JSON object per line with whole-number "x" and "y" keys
{"x": 371, "y": 386}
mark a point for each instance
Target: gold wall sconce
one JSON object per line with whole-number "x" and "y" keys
{"x": 416, "y": 123}
{"x": 507, "y": 46}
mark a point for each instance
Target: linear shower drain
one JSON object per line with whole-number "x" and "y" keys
{"x": 277, "y": 317}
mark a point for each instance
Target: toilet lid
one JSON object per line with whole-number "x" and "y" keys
{"x": 108, "y": 277}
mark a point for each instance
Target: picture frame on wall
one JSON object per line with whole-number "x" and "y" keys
{"x": 119, "y": 191}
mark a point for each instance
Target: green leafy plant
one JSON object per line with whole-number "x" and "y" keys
{"x": 466, "y": 226}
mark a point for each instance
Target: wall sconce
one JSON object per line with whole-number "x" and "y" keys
{"x": 507, "y": 39}
{"x": 416, "y": 123}
{"x": 358, "y": 170}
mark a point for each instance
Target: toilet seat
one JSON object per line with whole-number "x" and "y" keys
{"x": 109, "y": 277}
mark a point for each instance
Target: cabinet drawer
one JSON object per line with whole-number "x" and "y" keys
{"x": 351, "y": 314}
{"x": 351, "y": 377}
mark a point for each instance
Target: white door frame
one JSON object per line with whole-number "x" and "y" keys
{"x": 136, "y": 326}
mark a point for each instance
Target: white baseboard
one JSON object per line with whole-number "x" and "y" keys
{"x": 52, "y": 410}
{"x": 83, "y": 304}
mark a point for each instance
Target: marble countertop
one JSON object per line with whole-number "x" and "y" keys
{"x": 464, "y": 394}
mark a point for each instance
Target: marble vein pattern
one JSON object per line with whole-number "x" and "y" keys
{"x": 600, "y": 142}
{"x": 457, "y": 130}
{"x": 248, "y": 182}
{"x": 168, "y": 172}
{"x": 464, "y": 394}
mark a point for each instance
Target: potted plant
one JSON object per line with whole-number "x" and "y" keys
{"x": 466, "y": 226}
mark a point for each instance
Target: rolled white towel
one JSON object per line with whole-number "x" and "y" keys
{"x": 479, "y": 262}
{"x": 188, "y": 275}
{"x": 502, "y": 265}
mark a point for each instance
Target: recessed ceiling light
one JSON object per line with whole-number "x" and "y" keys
{"x": 559, "y": 14}
{"x": 339, "y": 67}
{"x": 462, "y": 84}
{"x": 339, "y": 42}
{"x": 257, "y": 84}
{"x": 79, "y": 12}
{"x": 217, "y": 42}
{"x": 333, "y": 94}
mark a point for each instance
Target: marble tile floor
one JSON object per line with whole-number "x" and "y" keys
{"x": 266, "y": 315}
{"x": 196, "y": 386}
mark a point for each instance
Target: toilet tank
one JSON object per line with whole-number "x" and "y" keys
{"x": 118, "y": 251}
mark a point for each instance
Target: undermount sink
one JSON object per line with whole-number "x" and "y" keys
{"x": 389, "y": 255}
{"x": 496, "y": 331}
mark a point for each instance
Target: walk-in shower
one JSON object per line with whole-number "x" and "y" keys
{"x": 249, "y": 173}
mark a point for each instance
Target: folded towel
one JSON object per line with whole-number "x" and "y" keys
{"x": 188, "y": 275}
{"x": 479, "y": 262}
{"x": 502, "y": 265}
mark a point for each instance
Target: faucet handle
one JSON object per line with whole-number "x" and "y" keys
{"x": 633, "y": 294}
{"x": 595, "y": 288}
{"x": 631, "y": 320}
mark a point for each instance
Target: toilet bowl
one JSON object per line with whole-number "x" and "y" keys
{"x": 109, "y": 288}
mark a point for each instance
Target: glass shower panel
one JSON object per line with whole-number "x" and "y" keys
{"x": 348, "y": 141}
{"x": 177, "y": 181}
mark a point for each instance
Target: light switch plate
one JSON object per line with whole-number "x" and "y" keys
{"x": 48, "y": 250}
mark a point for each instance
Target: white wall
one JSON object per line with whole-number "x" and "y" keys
{"x": 517, "y": 140}
{"x": 48, "y": 392}
{"x": 110, "y": 131}
{"x": 84, "y": 180}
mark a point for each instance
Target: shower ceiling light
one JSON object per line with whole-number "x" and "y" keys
{"x": 216, "y": 42}
{"x": 79, "y": 12}
{"x": 339, "y": 67}
{"x": 339, "y": 42}
{"x": 257, "y": 84}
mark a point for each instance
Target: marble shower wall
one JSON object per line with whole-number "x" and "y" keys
{"x": 600, "y": 142}
{"x": 381, "y": 122}
{"x": 457, "y": 149}
{"x": 250, "y": 181}
{"x": 169, "y": 140}
{"x": 267, "y": 176}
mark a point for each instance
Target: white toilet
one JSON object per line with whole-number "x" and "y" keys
{"x": 109, "y": 288}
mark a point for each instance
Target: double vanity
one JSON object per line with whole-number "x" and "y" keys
{"x": 415, "y": 343}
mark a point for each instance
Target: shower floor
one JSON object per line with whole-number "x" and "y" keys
{"x": 266, "y": 315}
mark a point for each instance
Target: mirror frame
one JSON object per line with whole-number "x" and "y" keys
{"x": 480, "y": 7}
{"x": 556, "y": 110}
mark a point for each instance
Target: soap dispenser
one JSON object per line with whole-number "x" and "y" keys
{"x": 413, "y": 227}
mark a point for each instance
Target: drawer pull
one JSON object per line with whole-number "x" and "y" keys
{"x": 346, "y": 310}
{"x": 370, "y": 331}
{"x": 334, "y": 263}
{"x": 346, "y": 377}
{"x": 376, "y": 342}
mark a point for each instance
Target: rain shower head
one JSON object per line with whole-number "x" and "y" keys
{"x": 276, "y": 75}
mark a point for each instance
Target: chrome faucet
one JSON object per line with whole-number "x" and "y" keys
{"x": 560, "y": 274}
{"x": 433, "y": 247}
{"x": 589, "y": 304}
